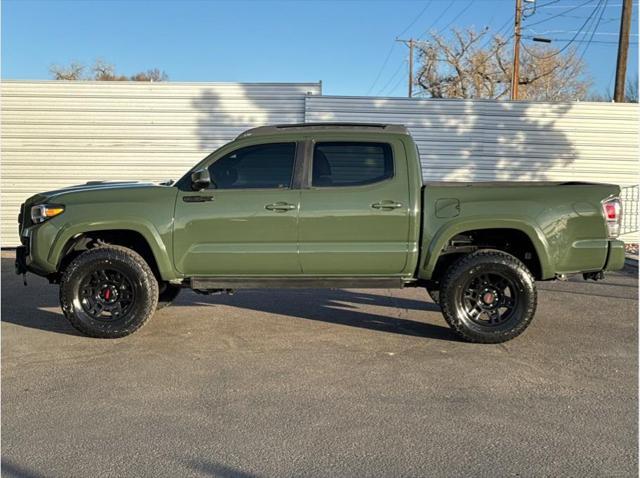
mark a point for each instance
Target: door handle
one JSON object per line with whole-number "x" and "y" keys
{"x": 386, "y": 205}
{"x": 197, "y": 198}
{"x": 280, "y": 207}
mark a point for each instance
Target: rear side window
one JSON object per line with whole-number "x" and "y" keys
{"x": 338, "y": 164}
{"x": 264, "y": 166}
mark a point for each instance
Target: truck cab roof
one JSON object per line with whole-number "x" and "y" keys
{"x": 324, "y": 128}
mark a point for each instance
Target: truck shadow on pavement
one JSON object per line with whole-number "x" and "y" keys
{"x": 37, "y": 307}
{"x": 333, "y": 306}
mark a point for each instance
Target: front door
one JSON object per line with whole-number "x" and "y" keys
{"x": 354, "y": 218}
{"x": 247, "y": 222}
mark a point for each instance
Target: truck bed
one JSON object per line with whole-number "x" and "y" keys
{"x": 563, "y": 220}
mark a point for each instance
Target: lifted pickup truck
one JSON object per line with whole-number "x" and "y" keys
{"x": 317, "y": 205}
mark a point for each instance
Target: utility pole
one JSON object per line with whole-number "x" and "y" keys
{"x": 410, "y": 43}
{"x": 623, "y": 48}
{"x": 515, "y": 76}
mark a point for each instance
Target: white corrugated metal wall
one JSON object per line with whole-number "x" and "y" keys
{"x": 57, "y": 133}
{"x": 512, "y": 141}
{"x": 60, "y": 133}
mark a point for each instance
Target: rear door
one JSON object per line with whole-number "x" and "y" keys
{"x": 247, "y": 224}
{"x": 354, "y": 216}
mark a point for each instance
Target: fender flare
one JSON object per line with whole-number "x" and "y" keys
{"x": 140, "y": 226}
{"x": 449, "y": 230}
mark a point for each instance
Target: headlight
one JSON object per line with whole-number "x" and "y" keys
{"x": 45, "y": 211}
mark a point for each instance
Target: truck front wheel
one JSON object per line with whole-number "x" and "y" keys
{"x": 108, "y": 292}
{"x": 488, "y": 296}
{"x": 433, "y": 289}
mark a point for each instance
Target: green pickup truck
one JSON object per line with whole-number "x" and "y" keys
{"x": 317, "y": 205}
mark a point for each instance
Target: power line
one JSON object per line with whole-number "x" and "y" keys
{"x": 593, "y": 32}
{"x": 435, "y": 22}
{"x": 396, "y": 85}
{"x": 411, "y": 42}
{"x": 559, "y": 14}
{"x": 460, "y": 13}
{"x": 535, "y": 32}
{"x": 386, "y": 60}
{"x": 416, "y": 18}
{"x": 393, "y": 45}
{"x": 393, "y": 77}
{"x": 601, "y": 42}
{"x": 548, "y": 3}
{"x": 609, "y": 6}
{"x": 557, "y": 52}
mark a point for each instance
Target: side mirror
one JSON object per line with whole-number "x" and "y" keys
{"x": 200, "y": 179}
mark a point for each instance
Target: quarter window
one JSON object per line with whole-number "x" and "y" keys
{"x": 351, "y": 164}
{"x": 264, "y": 166}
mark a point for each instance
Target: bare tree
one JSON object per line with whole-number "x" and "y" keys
{"x": 150, "y": 75}
{"x": 103, "y": 71}
{"x": 474, "y": 65}
{"x": 74, "y": 71}
{"x": 630, "y": 93}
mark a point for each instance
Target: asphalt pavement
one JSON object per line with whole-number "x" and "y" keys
{"x": 321, "y": 383}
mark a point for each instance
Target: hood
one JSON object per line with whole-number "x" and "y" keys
{"x": 94, "y": 186}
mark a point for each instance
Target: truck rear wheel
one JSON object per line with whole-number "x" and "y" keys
{"x": 108, "y": 292}
{"x": 488, "y": 296}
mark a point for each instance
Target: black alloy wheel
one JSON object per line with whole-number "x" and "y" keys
{"x": 488, "y": 296}
{"x": 489, "y": 299}
{"x": 108, "y": 292}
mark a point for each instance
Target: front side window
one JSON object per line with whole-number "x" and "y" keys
{"x": 263, "y": 166}
{"x": 338, "y": 164}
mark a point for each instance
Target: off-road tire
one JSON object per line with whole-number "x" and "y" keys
{"x": 493, "y": 262}
{"x": 168, "y": 293}
{"x": 124, "y": 261}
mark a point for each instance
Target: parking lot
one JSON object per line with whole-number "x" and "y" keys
{"x": 321, "y": 383}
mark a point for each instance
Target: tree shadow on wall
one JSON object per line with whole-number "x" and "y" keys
{"x": 473, "y": 140}
{"x": 227, "y": 110}
{"x": 459, "y": 140}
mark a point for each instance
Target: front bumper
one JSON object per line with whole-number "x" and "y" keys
{"x": 22, "y": 252}
{"x": 32, "y": 255}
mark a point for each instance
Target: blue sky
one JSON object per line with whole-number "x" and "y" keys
{"x": 343, "y": 43}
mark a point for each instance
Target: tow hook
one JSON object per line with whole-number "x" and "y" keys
{"x": 593, "y": 275}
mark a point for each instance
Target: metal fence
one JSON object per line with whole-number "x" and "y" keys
{"x": 630, "y": 197}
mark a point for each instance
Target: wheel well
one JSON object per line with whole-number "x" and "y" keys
{"x": 119, "y": 237}
{"x": 511, "y": 241}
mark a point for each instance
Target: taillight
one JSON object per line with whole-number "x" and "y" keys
{"x": 612, "y": 210}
